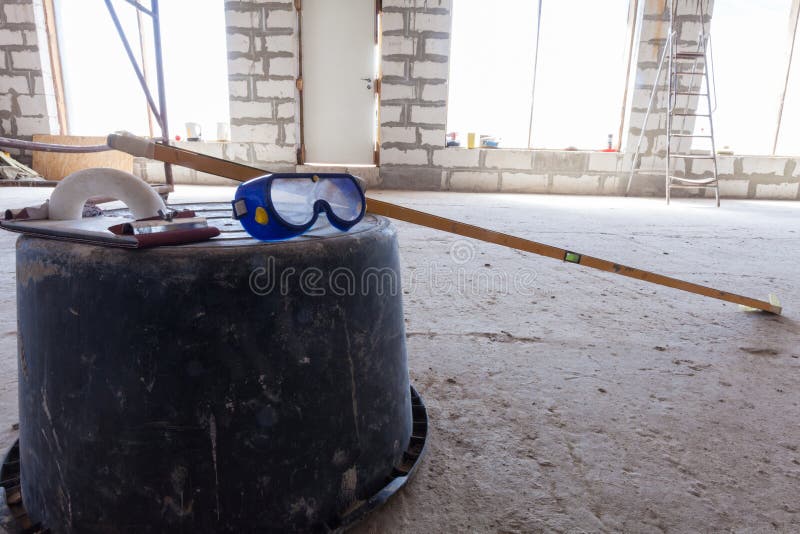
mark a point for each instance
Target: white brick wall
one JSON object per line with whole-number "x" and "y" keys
{"x": 285, "y": 111}
{"x": 281, "y": 19}
{"x": 237, "y": 88}
{"x": 428, "y": 115}
{"x": 399, "y": 3}
{"x": 33, "y": 125}
{"x": 26, "y": 90}
{"x": 432, "y": 23}
{"x": 392, "y": 21}
{"x": 282, "y": 66}
{"x": 725, "y": 165}
{"x": 19, "y": 13}
{"x": 690, "y": 30}
{"x": 509, "y": 159}
{"x": 243, "y": 19}
{"x": 280, "y": 43}
{"x": 734, "y": 188}
{"x": 275, "y": 89}
{"x": 25, "y": 60}
{"x": 238, "y": 42}
{"x": 30, "y": 104}
{"x": 518, "y": 182}
{"x": 8, "y": 37}
{"x": 419, "y": 39}
{"x": 32, "y": 37}
{"x": 262, "y": 86}
{"x": 291, "y": 134}
{"x": 236, "y": 151}
{"x": 437, "y": 46}
{"x": 398, "y": 134}
{"x": 244, "y": 67}
{"x": 763, "y": 165}
{"x": 456, "y": 157}
{"x": 434, "y": 137}
{"x": 785, "y": 191}
{"x": 484, "y": 182}
{"x": 580, "y": 185}
{"x": 251, "y": 109}
{"x": 612, "y": 185}
{"x": 13, "y": 83}
{"x": 394, "y": 45}
{"x": 43, "y": 85}
{"x": 395, "y": 156}
{"x": 394, "y": 91}
{"x": 258, "y": 133}
{"x": 393, "y": 68}
{"x": 434, "y": 92}
{"x": 603, "y": 161}
{"x": 271, "y": 152}
{"x": 207, "y": 148}
{"x": 429, "y": 70}
{"x": 390, "y": 113}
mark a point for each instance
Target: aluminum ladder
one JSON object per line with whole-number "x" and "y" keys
{"x": 684, "y": 68}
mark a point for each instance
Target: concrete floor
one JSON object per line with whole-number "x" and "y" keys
{"x": 576, "y": 400}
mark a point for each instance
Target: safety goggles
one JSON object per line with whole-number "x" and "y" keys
{"x": 282, "y": 205}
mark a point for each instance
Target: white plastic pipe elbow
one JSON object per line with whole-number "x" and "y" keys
{"x": 69, "y": 196}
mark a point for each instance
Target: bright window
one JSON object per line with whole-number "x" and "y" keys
{"x": 580, "y": 78}
{"x": 750, "y": 71}
{"x": 789, "y": 138}
{"x": 101, "y": 90}
{"x": 491, "y": 68}
{"x": 195, "y": 64}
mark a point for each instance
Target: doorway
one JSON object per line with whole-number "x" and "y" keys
{"x": 339, "y": 49}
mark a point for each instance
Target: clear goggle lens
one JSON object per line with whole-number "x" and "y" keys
{"x": 293, "y": 198}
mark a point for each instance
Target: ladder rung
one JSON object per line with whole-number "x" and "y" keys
{"x": 691, "y": 115}
{"x": 690, "y": 93}
{"x": 699, "y": 186}
{"x": 689, "y": 72}
{"x": 690, "y": 135}
{"x": 689, "y": 55}
{"x": 692, "y": 156}
{"x": 691, "y": 182}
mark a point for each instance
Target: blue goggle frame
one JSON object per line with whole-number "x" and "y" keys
{"x": 254, "y": 208}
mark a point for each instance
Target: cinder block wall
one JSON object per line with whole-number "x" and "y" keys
{"x": 264, "y": 104}
{"x": 653, "y": 37}
{"x": 416, "y": 50}
{"x": 27, "y": 101}
{"x": 413, "y": 115}
{"x": 262, "y": 43}
{"x": 262, "y": 69}
{"x": 775, "y": 177}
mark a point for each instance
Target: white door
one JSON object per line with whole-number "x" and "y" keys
{"x": 339, "y": 68}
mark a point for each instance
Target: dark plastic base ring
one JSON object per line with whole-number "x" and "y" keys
{"x": 15, "y": 518}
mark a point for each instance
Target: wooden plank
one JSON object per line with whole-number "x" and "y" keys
{"x": 237, "y": 171}
{"x": 394, "y": 211}
{"x": 209, "y": 164}
{"x": 55, "y": 166}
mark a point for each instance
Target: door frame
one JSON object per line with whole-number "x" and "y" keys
{"x": 301, "y": 150}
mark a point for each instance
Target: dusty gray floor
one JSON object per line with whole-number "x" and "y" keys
{"x": 577, "y": 400}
